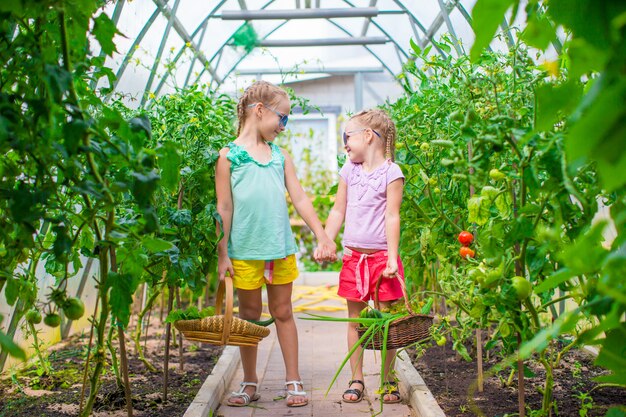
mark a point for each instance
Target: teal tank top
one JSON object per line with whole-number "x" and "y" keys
{"x": 260, "y": 228}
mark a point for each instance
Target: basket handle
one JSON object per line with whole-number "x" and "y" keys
{"x": 225, "y": 286}
{"x": 404, "y": 294}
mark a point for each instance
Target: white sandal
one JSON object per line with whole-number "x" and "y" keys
{"x": 296, "y": 393}
{"x": 242, "y": 394}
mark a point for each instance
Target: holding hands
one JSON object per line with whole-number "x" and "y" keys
{"x": 326, "y": 250}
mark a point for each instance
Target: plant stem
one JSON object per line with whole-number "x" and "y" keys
{"x": 43, "y": 362}
{"x": 137, "y": 336}
{"x": 114, "y": 364}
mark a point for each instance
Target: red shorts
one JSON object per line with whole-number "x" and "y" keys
{"x": 359, "y": 273}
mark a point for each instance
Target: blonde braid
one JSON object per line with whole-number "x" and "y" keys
{"x": 257, "y": 92}
{"x": 391, "y": 139}
{"x": 380, "y": 121}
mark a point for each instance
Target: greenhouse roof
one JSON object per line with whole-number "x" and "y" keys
{"x": 224, "y": 44}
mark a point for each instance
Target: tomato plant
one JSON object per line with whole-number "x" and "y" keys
{"x": 509, "y": 179}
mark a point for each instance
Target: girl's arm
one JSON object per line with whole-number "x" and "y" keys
{"x": 338, "y": 212}
{"x": 303, "y": 206}
{"x": 392, "y": 225}
{"x": 225, "y": 209}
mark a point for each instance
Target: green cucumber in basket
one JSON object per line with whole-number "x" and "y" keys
{"x": 427, "y": 306}
{"x": 190, "y": 313}
{"x": 263, "y": 323}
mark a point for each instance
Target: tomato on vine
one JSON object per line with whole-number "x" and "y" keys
{"x": 465, "y": 238}
{"x": 522, "y": 287}
{"x": 52, "y": 320}
{"x": 466, "y": 252}
{"x": 74, "y": 308}
{"x": 33, "y": 316}
{"x": 496, "y": 175}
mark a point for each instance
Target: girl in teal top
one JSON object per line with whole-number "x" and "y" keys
{"x": 258, "y": 247}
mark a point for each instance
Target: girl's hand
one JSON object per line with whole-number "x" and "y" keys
{"x": 224, "y": 265}
{"x": 326, "y": 250}
{"x": 392, "y": 268}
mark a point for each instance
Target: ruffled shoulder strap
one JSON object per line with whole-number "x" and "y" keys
{"x": 277, "y": 154}
{"x": 237, "y": 155}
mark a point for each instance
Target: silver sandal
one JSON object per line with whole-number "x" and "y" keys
{"x": 296, "y": 393}
{"x": 242, "y": 394}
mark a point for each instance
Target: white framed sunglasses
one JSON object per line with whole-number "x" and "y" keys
{"x": 284, "y": 118}
{"x": 346, "y": 135}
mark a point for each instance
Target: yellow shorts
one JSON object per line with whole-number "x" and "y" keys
{"x": 250, "y": 275}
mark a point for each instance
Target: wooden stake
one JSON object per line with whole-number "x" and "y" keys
{"x": 479, "y": 358}
{"x": 520, "y": 379}
{"x": 181, "y": 362}
{"x": 479, "y": 335}
{"x": 168, "y": 333}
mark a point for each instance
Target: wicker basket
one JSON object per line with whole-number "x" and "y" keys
{"x": 223, "y": 329}
{"x": 403, "y": 331}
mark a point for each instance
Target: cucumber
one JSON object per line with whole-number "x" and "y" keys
{"x": 374, "y": 314}
{"x": 427, "y": 306}
{"x": 263, "y": 323}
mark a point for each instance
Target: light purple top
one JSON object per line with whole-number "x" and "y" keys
{"x": 367, "y": 203}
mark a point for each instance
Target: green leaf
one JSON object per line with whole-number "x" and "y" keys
{"x": 563, "y": 324}
{"x": 122, "y": 287}
{"x": 141, "y": 124}
{"x": 12, "y": 290}
{"x": 589, "y": 244}
{"x": 478, "y": 210}
{"x": 555, "y": 102}
{"x": 612, "y": 355}
{"x": 539, "y": 32}
{"x": 616, "y": 412}
{"x": 63, "y": 243}
{"x": 584, "y": 58}
{"x": 8, "y": 345}
{"x": 415, "y": 47}
{"x": 486, "y": 17}
{"x": 169, "y": 162}
{"x": 154, "y": 244}
{"x": 554, "y": 280}
{"x": 12, "y": 6}
{"x": 104, "y": 30}
{"x": 191, "y": 313}
{"x": 180, "y": 218}
{"x": 587, "y": 19}
{"x": 504, "y": 204}
{"x": 73, "y": 134}
{"x": 144, "y": 186}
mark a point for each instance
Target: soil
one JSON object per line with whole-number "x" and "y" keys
{"x": 449, "y": 378}
{"x": 58, "y": 395}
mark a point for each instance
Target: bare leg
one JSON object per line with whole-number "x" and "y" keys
{"x": 391, "y": 356}
{"x": 279, "y": 302}
{"x": 356, "y": 360}
{"x": 250, "y": 306}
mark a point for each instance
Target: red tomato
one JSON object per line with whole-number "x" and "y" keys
{"x": 466, "y": 238}
{"x": 466, "y": 252}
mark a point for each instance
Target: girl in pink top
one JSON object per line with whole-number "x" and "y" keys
{"x": 368, "y": 199}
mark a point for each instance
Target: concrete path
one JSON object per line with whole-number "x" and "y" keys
{"x": 322, "y": 348}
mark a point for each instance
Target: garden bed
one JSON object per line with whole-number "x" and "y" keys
{"x": 58, "y": 395}
{"x": 449, "y": 378}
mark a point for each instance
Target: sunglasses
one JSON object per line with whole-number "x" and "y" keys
{"x": 284, "y": 118}
{"x": 346, "y": 135}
